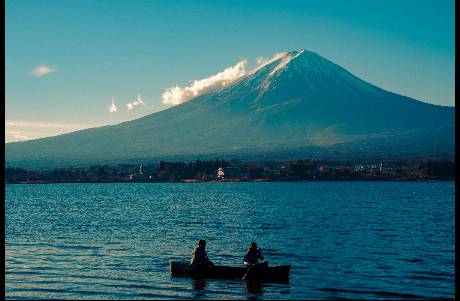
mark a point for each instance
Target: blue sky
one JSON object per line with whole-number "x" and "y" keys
{"x": 65, "y": 60}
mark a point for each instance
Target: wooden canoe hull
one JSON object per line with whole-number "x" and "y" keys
{"x": 185, "y": 269}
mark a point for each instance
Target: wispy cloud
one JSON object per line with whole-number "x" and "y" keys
{"x": 43, "y": 70}
{"x": 134, "y": 103}
{"x": 15, "y": 135}
{"x": 26, "y": 130}
{"x": 112, "y": 108}
{"x": 177, "y": 95}
{"x": 22, "y": 124}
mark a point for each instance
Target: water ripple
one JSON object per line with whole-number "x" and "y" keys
{"x": 344, "y": 240}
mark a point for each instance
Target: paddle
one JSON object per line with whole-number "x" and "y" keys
{"x": 253, "y": 268}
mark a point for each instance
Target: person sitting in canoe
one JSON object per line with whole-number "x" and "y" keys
{"x": 199, "y": 255}
{"x": 250, "y": 260}
{"x": 252, "y": 255}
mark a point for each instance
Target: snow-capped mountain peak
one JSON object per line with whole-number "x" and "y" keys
{"x": 284, "y": 60}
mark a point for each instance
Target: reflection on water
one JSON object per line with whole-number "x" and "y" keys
{"x": 254, "y": 287}
{"x": 343, "y": 240}
{"x": 198, "y": 285}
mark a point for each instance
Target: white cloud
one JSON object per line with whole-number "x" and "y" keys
{"x": 25, "y": 124}
{"x": 43, "y": 70}
{"x": 112, "y": 108}
{"x": 177, "y": 95}
{"x": 26, "y": 130}
{"x": 134, "y": 103}
{"x": 15, "y": 135}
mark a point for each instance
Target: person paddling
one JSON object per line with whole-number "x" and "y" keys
{"x": 251, "y": 259}
{"x": 253, "y": 254}
{"x": 199, "y": 255}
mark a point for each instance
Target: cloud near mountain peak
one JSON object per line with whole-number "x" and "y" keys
{"x": 177, "y": 95}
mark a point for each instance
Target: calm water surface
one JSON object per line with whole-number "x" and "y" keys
{"x": 367, "y": 240}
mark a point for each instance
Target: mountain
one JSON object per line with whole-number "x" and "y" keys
{"x": 297, "y": 104}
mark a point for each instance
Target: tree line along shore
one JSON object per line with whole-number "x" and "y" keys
{"x": 236, "y": 171}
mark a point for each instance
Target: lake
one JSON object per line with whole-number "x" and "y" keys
{"x": 365, "y": 240}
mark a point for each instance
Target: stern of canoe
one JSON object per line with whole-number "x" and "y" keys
{"x": 279, "y": 273}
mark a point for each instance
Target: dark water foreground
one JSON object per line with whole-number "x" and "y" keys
{"x": 366, "y": 240}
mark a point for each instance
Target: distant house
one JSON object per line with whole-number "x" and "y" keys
{"x": 220, "y": 173}
{"x": 323, "y": 169}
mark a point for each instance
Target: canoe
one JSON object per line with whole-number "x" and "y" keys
{"x": 263, "y": 272}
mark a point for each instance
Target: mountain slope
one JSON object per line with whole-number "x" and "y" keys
{"x": 296, "y": 101}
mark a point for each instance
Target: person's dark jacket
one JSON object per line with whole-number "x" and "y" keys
{"x": 252, "y": 256}
{"x": 199, "y": 256}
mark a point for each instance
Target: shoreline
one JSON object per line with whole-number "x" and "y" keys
{"x": 244, "y": 181}
{"x": 236, "y": 171}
